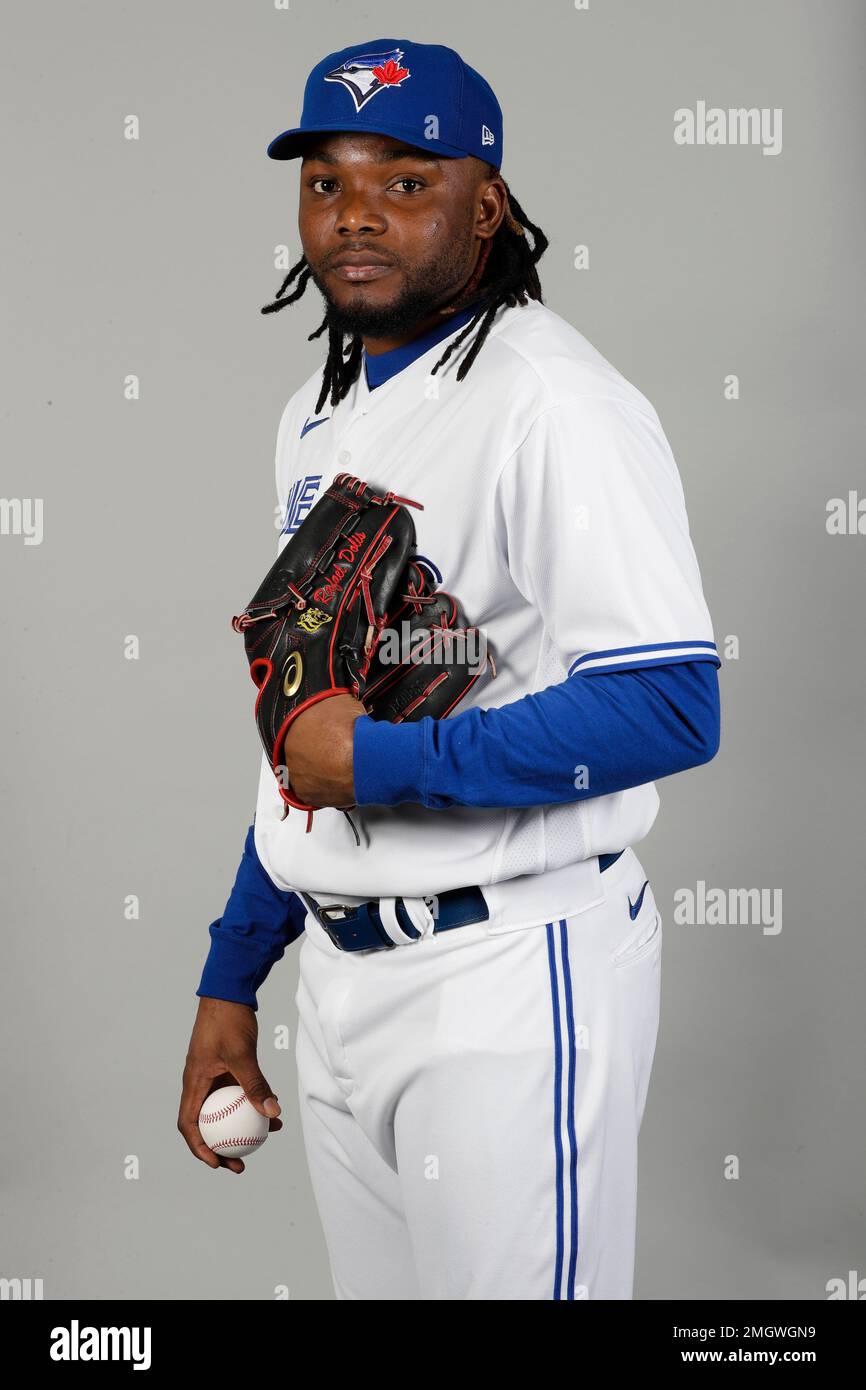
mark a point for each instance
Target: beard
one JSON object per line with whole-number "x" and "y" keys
{"x": 425, "y": 289}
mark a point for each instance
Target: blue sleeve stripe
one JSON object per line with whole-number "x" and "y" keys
{"x": 632, "y": 658}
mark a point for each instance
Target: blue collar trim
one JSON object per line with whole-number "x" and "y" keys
{"x": 381, "y": 367}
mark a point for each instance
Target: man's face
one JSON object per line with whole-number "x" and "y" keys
{"x": 403, "y": 224}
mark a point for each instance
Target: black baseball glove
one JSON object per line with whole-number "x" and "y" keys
{"x": 347, "y": 609}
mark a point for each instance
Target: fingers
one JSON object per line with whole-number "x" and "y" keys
{"x": 234, "y": 1165}
{"x": 196, "y": 1087}
{"x": 257, "y": 1090}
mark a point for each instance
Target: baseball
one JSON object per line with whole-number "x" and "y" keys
{"x": 230, "y": 1125}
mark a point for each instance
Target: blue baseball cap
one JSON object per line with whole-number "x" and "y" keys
{"x": 421, "y": 93}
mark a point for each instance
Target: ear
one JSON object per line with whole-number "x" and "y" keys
{"x": 491, "y": 207}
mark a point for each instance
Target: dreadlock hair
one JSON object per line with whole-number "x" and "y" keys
{"x": 505, "y": 274}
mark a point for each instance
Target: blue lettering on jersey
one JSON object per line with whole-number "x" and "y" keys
{"x": 301, "y": 498}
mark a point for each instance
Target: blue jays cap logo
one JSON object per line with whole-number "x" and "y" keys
{"x": 365, "y": 74}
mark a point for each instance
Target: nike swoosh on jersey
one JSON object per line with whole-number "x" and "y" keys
{"x": 311, "y": 424}
{"x": 634, "y": 908}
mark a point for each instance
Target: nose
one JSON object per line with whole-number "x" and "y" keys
{"x": 357, "y": 214}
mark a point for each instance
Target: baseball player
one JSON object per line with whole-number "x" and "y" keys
{"x": 480, "y": 962}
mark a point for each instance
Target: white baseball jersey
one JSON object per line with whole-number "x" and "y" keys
{"x": 554, "y": 509}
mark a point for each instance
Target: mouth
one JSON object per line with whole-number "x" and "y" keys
{"x": 360, "y": 265}
{"x": 352, "y": 271}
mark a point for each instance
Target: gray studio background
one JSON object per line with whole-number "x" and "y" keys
{"x": 124, "y": 777}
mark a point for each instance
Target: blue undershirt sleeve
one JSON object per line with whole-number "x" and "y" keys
{"x": 587, "y": 736}
{"x": 259, "y": 921}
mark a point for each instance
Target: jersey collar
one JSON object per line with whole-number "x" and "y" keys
{"x": 381, "y": 367}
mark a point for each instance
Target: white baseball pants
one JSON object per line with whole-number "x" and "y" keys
{"x": 471, "y": 1102}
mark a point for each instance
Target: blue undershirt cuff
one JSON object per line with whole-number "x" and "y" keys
{"x": 234, "y": 968}
{"x": 390, "y": 761}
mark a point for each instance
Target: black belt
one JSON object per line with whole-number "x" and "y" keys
{"x": 360, "y": 928}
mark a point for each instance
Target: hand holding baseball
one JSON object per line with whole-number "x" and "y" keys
{"x": 222, "y": 1053}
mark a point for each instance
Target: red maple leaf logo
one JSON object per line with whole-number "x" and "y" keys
{"x": 390, "y": 73}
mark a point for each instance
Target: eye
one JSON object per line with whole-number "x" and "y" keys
{"x": 408, "y": 179}
{"x": 313, "y": 183}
